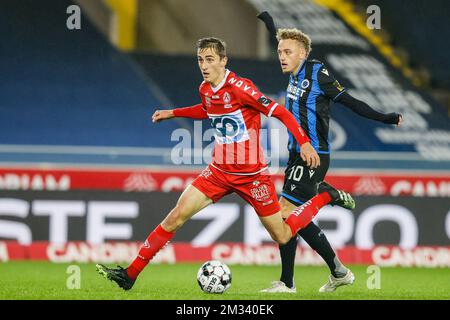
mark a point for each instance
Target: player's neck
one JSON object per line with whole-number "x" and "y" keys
{"x": 300, "y": 65}
{"x": 219, "y": 78}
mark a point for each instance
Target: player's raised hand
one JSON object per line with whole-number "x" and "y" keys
{"x": 309, "y": 155}
{"x": 161, "y": 115}
{"x": 400, "y": 120}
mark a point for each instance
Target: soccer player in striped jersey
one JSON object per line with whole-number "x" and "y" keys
{"x": 310, "y": 92}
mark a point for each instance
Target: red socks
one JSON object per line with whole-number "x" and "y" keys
{"x": 302, "y": 216}
{"x": 298, "y": 219}
{"x": 155, "y": 242}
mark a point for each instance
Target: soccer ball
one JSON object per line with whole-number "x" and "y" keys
{"x": 214, "y": 277}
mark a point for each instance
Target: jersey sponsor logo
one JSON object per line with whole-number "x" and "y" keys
{"x": 324, "y": 71}
{"x": 294, "y": 92}
{"x": 264, "y": 101}
{"x": 206, "y": 173}
{"x": 311, "y": 173}
{"x": 246, "y": 87}
{"x": 230, "y": 127}
{"x": 293, "y": 186}
{"x": 260, "y": 193}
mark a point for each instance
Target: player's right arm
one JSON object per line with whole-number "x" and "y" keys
{"x": 253, "y": 98}
{"x": 193, "y": 112}
{"x": 307, "y": 151}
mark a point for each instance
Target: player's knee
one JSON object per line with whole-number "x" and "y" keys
{"x": 285, "y": 212}
{"x": 283, "y": 240}
{"x": 286, "y": 208}
{"x": 280, "y": 238}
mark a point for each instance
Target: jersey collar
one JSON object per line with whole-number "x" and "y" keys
{"x": 300, "y": 69}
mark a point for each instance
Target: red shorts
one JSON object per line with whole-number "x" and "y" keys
{"x": 258, "y": 189}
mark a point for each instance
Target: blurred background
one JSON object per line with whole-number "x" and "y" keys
{"x": 85, "y": 175}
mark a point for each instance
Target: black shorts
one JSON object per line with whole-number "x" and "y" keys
{"x": 301, "y": 182}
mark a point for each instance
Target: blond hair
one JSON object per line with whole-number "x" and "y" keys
{"x": 295, "y": 34}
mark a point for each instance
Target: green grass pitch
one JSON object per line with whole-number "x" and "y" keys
{"x": 44, "y": 280}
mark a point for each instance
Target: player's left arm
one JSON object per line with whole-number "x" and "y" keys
{"x": 270, "y": 25}
{"x": 335, "y": 91}
{"x": 364, "y": 110}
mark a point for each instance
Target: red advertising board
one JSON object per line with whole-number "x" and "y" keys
{"x": 230, "y": 253}
{"x": 358, "y": 183}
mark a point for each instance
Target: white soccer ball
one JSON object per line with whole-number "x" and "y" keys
{"x": 214, "y": 277}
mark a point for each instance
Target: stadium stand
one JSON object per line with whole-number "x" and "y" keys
{"x": 429, "y": 27}
{"x": 99, "y": 97}
{"x": 70, "y": 88}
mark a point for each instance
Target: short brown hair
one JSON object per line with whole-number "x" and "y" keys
{"x": 218, "y": 45}
{"x": 295, "y": 34}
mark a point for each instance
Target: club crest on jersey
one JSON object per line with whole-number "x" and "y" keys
{"x": 226, "y": 97}
{"x": 305, "y": 84}
{"x": 264, "y": 101}
{"x": 227, "y": 100}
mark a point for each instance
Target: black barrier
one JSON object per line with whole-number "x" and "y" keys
{"x": 99, "y": 216}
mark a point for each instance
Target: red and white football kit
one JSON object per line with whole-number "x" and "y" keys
{"x": 238, "y": 164}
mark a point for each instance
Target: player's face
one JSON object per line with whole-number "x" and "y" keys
{"x": 291, "y": 55}
{"x": 211, "y": 65}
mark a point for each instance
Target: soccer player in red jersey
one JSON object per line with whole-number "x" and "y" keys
{"x": 234, "y": 105}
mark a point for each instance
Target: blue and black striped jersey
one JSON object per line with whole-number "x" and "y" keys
{"x": 308, "y": 98}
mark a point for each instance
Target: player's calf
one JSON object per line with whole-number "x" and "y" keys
{"x": 303, "y": 215}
